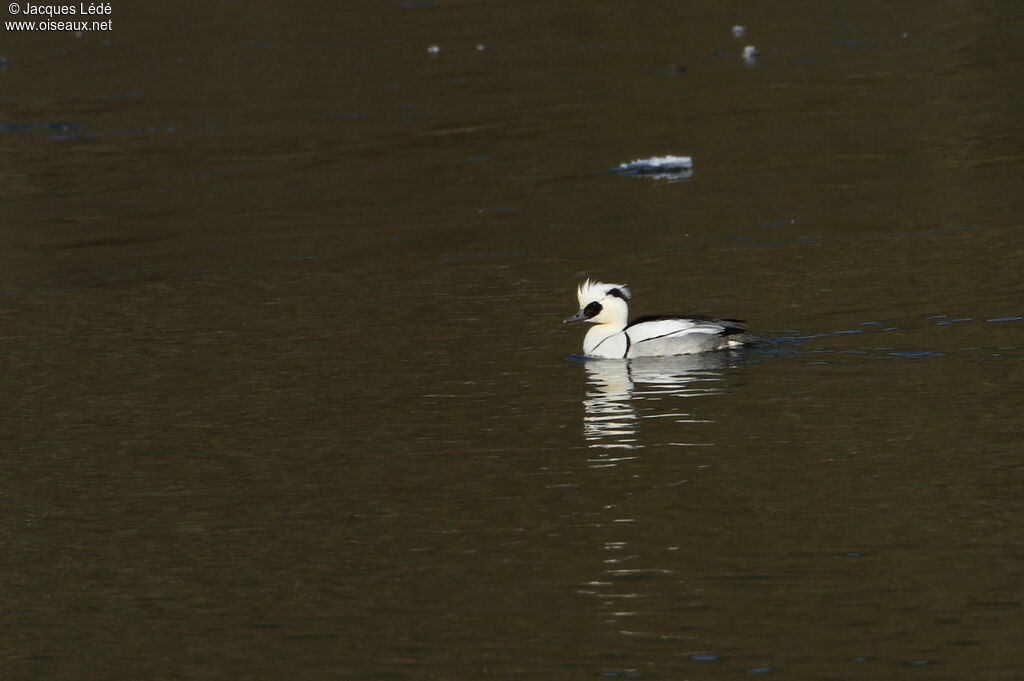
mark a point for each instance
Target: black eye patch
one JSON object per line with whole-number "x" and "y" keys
{"x": 592, "y": 310}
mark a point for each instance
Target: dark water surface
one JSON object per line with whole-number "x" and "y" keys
{"x": 285, "y": 389}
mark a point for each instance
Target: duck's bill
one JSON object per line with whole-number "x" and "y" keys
{"x": 578, "y": 317}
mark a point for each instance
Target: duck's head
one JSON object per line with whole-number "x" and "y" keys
{"x": 601, "y": 303}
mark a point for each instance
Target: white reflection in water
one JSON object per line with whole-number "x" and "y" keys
{"x": 620, "y": 397}
{"x": 621, "y": 393}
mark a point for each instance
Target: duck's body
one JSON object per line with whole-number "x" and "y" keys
{"x": 605, "y": 306}
{"x": 657, "y": 336}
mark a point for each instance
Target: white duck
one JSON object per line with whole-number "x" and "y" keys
{"x": 605, "y": 306}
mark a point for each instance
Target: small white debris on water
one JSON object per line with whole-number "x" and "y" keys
{"x": 433, "y": 49}
{"x": 659, "y": 163}
{"x": 738, "y": 31}
{"x": 671, "y": 168}
{"x": 750, "y": 55}
{"x": 481, "y": 48}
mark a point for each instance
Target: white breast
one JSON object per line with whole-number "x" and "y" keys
{"x": 610, "y": 347}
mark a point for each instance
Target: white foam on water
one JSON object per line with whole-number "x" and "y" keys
{"x": 659, "y": 163}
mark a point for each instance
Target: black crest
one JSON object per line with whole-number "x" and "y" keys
{"x": 618, "y": 293}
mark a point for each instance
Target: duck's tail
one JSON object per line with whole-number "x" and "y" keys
{"x": 737, "y": 336}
